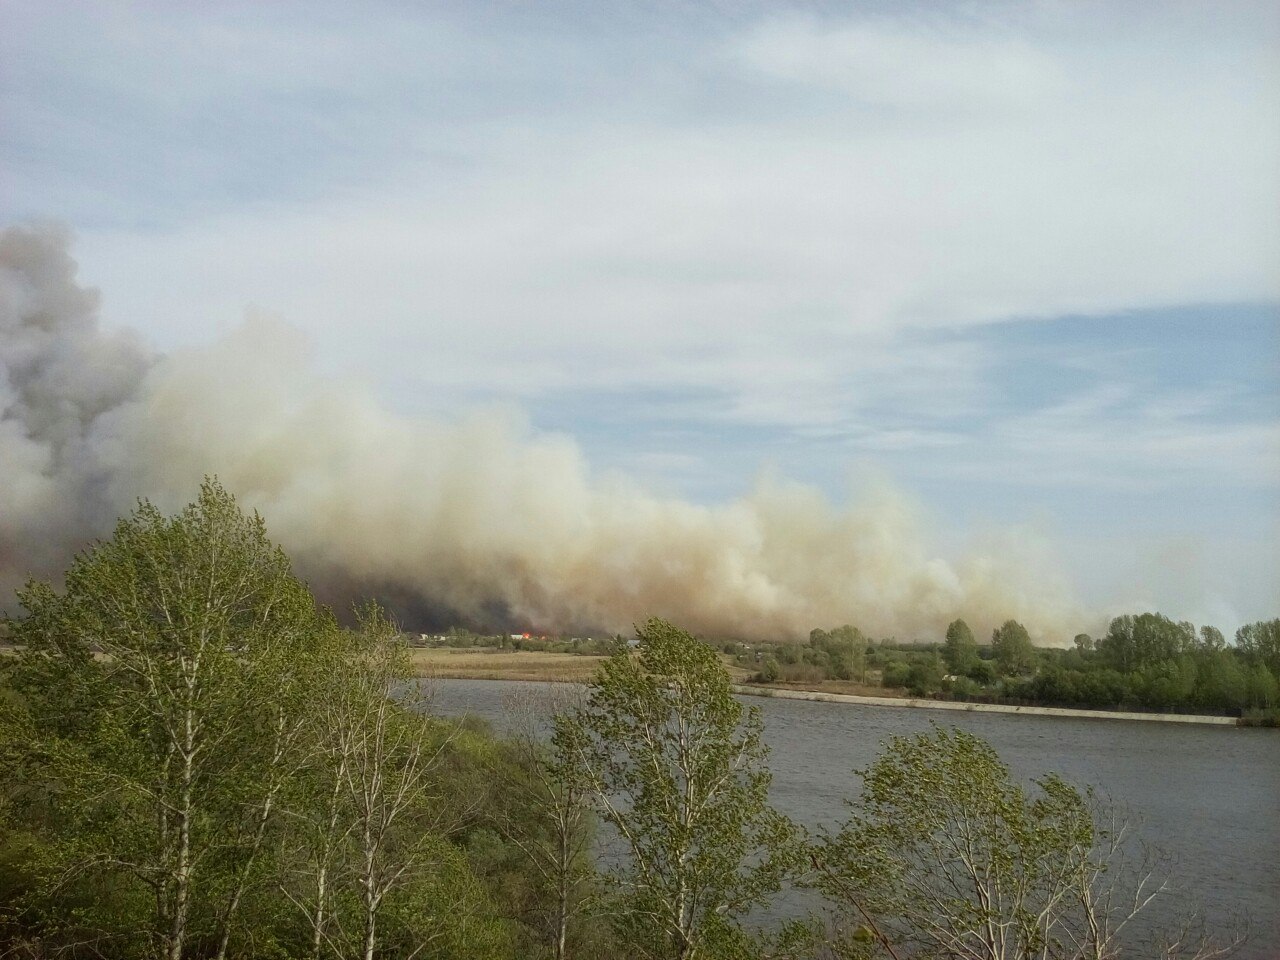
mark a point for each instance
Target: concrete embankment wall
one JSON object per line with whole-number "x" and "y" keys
{"x": 754, "y": 691}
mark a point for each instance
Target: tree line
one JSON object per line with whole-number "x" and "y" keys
{"x": 1147, "y": 661}
{"x": 1143, "y": 662}
{"x": 198, "y": 761}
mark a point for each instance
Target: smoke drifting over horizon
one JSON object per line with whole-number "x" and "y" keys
{"x": 478, "y": 520}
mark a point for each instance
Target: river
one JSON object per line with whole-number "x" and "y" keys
{"x": 1208, "y": 797}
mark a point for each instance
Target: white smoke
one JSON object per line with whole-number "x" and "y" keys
{"x": 477, "y": 519}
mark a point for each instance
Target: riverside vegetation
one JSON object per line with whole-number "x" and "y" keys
{"x": 196, "y": 760}
{"x": 1144, "y": 662}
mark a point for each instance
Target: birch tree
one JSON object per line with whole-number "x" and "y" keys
{"x": 678, "y": 768}
{"x": 552, "y": 824}
{"x": 946, "y": 857}
{"x": 372, "y": 822}
{"x": 164, "y": 684}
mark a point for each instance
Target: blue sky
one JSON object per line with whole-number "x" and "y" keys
{"x": 1022, "y": 259}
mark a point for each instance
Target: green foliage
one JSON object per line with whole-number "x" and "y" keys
{"x": 836, "y": 654}
{"x": 1179, "y": 669}
{"x": 982, "y": 672}
{"x": 1012, "y": 647}
{"x": 164, "y": 688}
{"x": 924, "y": 678}
{"x": 946, "y": 856}
{"x": 1260, "y": 642}
{"x": 896, "y": 674}
{"x": 963, "y": 688}
{"x": 961, "y": 650}
{"x": 185, "y": 737}
{"x": 1146, "y": 640}
{"x": 196, "y": 761}
{"x": 1221, "y": 683}
{"x": 1211, "y": 639}
{"x": 544, "y": 807}
{"x": 679, "y": 769}
{"x": 1262, "y": 689}
{"x": 846, "y": 650}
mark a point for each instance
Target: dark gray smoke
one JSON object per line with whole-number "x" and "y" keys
{"x": 476, "y": 520}
{"x": 60, "y": 378}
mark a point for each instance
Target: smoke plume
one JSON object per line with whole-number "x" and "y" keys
{"x": 477, "y": 521}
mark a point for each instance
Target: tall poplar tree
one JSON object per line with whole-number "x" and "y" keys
{"x": 960, "y": 650}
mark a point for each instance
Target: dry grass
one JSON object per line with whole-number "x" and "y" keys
{"x": 491, "y": 663}
{"x": 488, "y": 663}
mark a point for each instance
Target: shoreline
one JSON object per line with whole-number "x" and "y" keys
{"x": 531, "y": 666}
{"x": 787, "y": 693}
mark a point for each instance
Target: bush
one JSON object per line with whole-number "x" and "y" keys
{"x": 895, "y": 674}
{"x": 982, "y": 671}
{"x": 962, "y": 688}
{"x": 924, "y": 678}
{"x": 1261, "y": 717}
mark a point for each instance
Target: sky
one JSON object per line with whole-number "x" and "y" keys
{"x": 1020, "y": 260}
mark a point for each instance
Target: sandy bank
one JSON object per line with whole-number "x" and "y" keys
{"x": 785, "y": 694}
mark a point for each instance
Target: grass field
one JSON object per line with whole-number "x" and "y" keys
{"x": 493, "y": 664}
{"x": 490, "y": 663}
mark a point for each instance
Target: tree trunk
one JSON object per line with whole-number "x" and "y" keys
{"x": 562, "y": 913}
{"x": 370, "y": 937}
{"x": 182, "y": 871}
{"x": 370, "y": 899}
{"x": 317, "y": 933}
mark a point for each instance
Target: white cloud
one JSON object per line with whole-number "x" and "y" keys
{"x": 579, "y": 250}
{"x": 907, "y": 65}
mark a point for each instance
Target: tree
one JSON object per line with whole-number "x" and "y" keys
{"x": 847, "y": 651}
{"x": 1013, "y": 650}
{"x": 925, "y": 676}
{"x": 1149, "y": 639}
{"x": 1264, "y": 692}
{"x": 165, "y": 689}
{"x": 945, "y": 856}
{"x": 840, "y": 654}
{"x": 553, "y": 826}
{"x": 1221, "y": 684}
{"x": 1260, "y": 642}
{"x": 374, "y": 829}
{"x": 960, "y": 650}
{"x": 1211, "y": 639}
{"x": 678, "y": 768}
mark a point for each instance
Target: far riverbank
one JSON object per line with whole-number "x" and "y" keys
{"x": 481, "y": 663}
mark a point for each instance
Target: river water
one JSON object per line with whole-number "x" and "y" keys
{"x": 1208, "y": 797}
